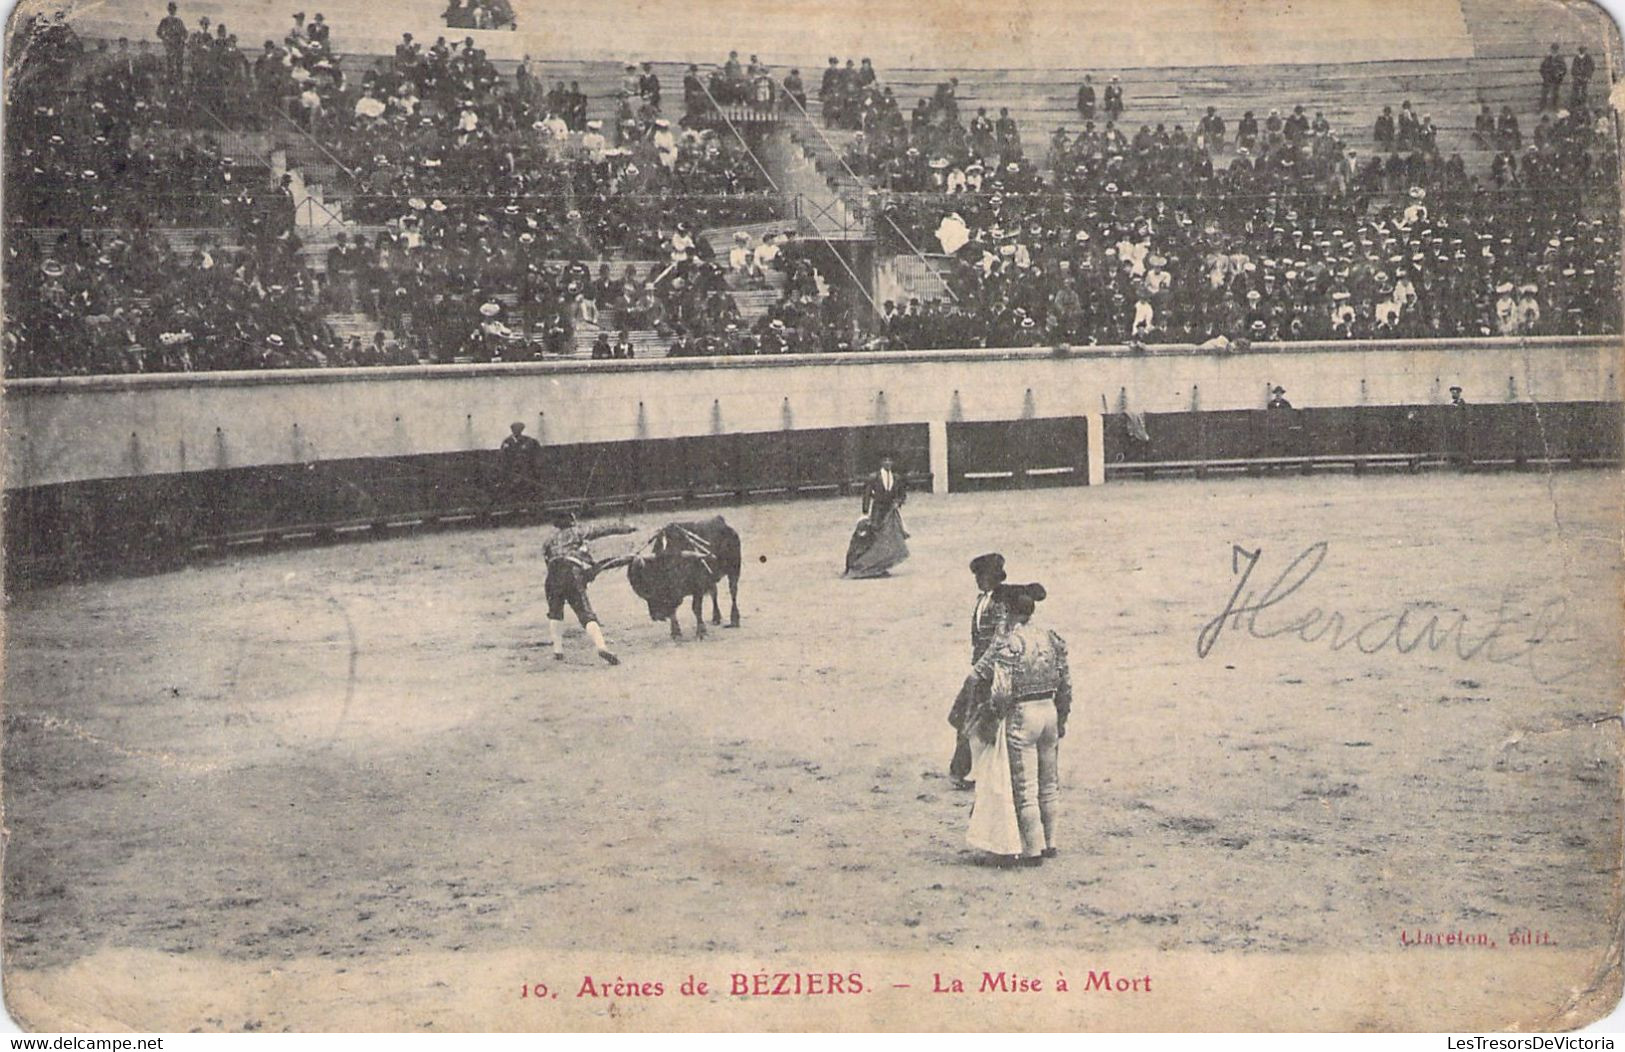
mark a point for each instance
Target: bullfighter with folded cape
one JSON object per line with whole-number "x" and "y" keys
{"x": 879, "y": 542}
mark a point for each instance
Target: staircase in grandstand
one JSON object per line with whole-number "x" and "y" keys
{"x": 831, "y": 200}
{"x": 906, "y": 277}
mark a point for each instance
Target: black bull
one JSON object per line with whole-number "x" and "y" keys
{"x": 688, "y": 559}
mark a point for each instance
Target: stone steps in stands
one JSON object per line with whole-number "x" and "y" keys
{"x": 183, "y": 241}
{"x": 646, "y": 342}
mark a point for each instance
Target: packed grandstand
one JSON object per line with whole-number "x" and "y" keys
{"x": 190, "y": 201}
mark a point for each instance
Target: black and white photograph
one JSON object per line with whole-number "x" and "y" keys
{"x": 1002, "y": 515}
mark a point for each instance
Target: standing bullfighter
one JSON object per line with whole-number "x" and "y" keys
{"x": 570, "y": 568}
{"x": 879, "y": 542}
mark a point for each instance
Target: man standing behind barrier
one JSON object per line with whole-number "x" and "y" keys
{"x": 521, "y": 457}
{"x": 1460, "y": 432}
{"x": 570, "y": 569}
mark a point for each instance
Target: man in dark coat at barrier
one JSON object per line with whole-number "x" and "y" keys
{"x": 1283, "y": 431}
{"x": 1460, "y": 430}
{"x": 520, "y": 463}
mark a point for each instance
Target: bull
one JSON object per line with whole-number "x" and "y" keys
{"x": 688, "y": 559}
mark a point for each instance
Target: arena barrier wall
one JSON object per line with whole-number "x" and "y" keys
{"x": 132, "y": 469}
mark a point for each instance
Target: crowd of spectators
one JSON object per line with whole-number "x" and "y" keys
{"x": 481, "y": 205}
{"x": 739, "y": 84}
{"x": 686, "y": 303}
{"x": 98, "y": 153}
{"x": 123, "y": 300}
{"x": 97, "y": 138}
{"x": 1036, "y": 270}
{"x": 810, "y": 316}
{"x": 441, "y": 127}
{"x": 453, "y": 289}
{"x": 206, "y": 67}
{"x": 1273, "y": 230}
{"x": 928, "y": 148}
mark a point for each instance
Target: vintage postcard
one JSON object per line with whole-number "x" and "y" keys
{"x": 1046, "y": 515}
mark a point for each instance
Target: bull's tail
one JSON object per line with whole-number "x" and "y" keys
{"x": 733, "y": 598}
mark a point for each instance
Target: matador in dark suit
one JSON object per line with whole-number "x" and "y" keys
{"x": 883, "y": 491}
{"x": 879, "y": 542}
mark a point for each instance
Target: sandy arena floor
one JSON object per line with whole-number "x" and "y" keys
{"x": 347, "y": 786}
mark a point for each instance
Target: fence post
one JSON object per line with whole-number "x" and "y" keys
{"x": 1201, "y": 432}
{"x": 937, "y": 447}
{"x": 1094, "y": 425}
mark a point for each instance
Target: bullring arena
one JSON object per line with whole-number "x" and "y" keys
{"x": 374, "y": 801}
{"x": 286, "y": 747}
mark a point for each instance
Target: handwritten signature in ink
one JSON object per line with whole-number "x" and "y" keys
{"x": 1512, "y": 637}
